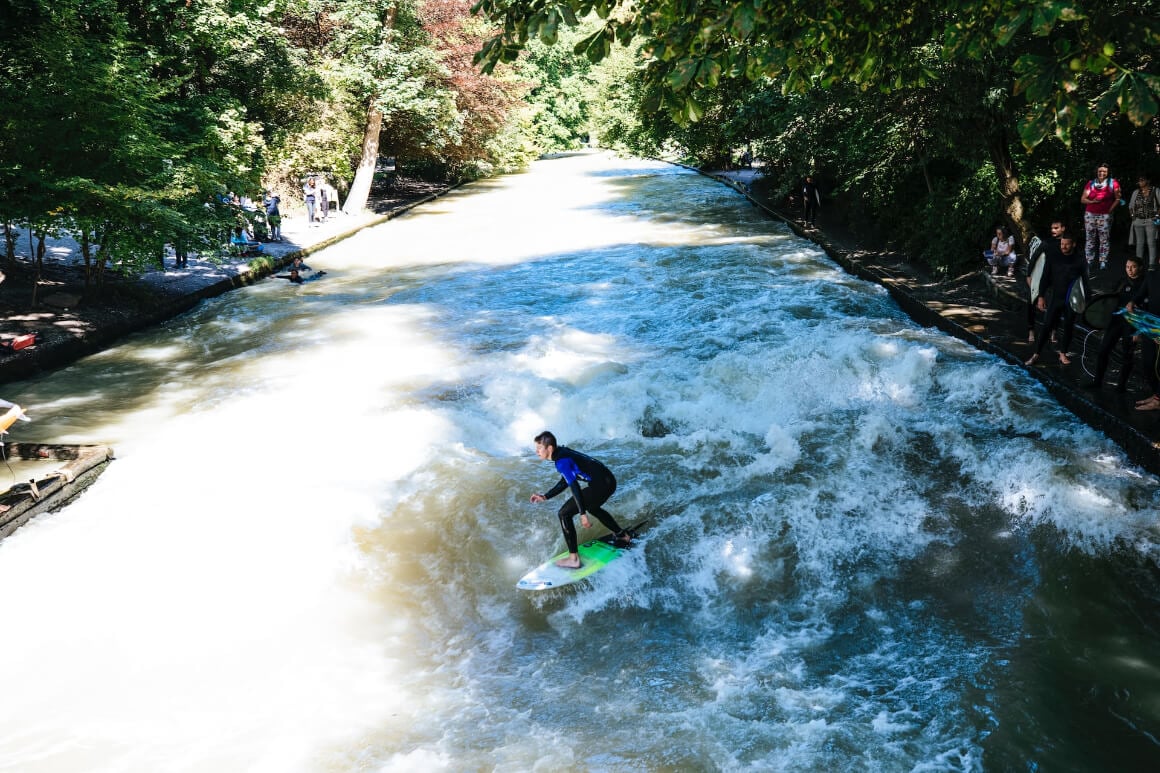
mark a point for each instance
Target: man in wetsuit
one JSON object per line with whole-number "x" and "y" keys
{"x": 1118, "y": 329}
{"x": 1064, "y": 265}
{"x": 574, "y": 468}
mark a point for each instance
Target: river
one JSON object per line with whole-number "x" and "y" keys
{"x": 870, "y": 546}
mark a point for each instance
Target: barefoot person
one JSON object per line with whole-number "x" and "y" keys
{"x": 1064, "y": 265}
{"x": 574, "y": 468}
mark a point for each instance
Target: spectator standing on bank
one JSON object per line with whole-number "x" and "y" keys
{"x": 1118, "y": 329}
{"x": 811, "y": 199}
{"x": 1100, "y": 196}
{"x": 1148, "y": 299}
{"x": 1144, "y": 208}
{"x": 1064, "y": 266}
{"x": 273, "y": 215}
{"x": 324, "y": 202}
{"x": 310, "y": 196}
{"x": 1002, "y": 252}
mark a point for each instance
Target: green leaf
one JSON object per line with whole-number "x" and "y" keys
{"x": 549, "y": 31}
{"x": 744, "y": 20}
{"x": 1137, "y": 101}
{"x": 1048, "y": 12}
{"x": 1038, "y": 77}
{"x": 708, "y": 73}
{"x": 692, "y": 111}
{"x": 682, "y": 74}
{"x": 1035, "y": 127}
{"x": 1004, "y": 32}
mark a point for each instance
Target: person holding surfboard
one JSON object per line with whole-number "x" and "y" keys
{"x": 575, "y": 468}
{"x": 1147, "y": 299}
{"x": 1064, "y": 267}
{"x": 1035, "y": 263}
{"x": 1118, "y": 329}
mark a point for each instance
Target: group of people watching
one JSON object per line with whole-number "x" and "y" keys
{"x": 261, "y": 221}
{"x": 1100, "y": 196}
{"x": 318, "y": 197}
{"x": 1061, "y": 290}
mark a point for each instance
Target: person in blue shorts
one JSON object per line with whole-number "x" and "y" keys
{"x": 576, "y": 468}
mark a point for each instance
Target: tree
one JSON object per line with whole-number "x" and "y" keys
{"x": 1089, "y": 60}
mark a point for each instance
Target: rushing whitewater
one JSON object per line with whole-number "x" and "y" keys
{"x": 871, "y": 547}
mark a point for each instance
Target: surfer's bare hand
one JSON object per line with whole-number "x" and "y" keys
{"x": 537, "y": 498}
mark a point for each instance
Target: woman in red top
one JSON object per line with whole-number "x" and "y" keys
{"x": 1099, "y": 198}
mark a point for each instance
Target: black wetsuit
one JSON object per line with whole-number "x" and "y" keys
{"x": 1058, "y": 274}
{"x": 575, "y": 467}
{"x": 1118, "y": 330}
{"x": 1147, "y": 298}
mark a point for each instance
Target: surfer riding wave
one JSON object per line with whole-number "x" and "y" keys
{"x": 574, "y": 468}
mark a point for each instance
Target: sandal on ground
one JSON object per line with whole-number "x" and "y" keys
{"x": 1147, "y": 400}
{"x": 1152, "y": 405}
{"x": 1032, "y": 360}
{"x": 1064, "y": 359}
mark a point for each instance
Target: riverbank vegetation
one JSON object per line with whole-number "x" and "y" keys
{"x": 127, "y": 122}
{"x": 929, "y": 122}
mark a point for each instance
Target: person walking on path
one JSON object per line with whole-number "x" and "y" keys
{"x": 574, "y": 468}
{"x": 310, "y": 196}
{"x": 1064, "y": 266}
{"x": 1144, "y": 208}
{"x": 811, "y": 200}
{"x": 1100, "y": 196}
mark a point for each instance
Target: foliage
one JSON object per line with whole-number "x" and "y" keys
{"x": 126, "y": 121}
{"x": 1088, "y": 59}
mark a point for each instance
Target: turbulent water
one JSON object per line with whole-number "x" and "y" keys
{"x": 871, "y": 547}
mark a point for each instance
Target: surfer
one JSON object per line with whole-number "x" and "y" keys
{"x": 574, "y": 468}
{"x": 300, "y": 272}
{"x": 1065, "y": 265}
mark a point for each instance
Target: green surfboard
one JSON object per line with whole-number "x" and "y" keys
{"x": 594, "y": 556}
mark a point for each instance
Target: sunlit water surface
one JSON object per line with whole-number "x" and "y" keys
{"x": 871, "y": 547}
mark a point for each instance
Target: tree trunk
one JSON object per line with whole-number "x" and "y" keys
{"x": 40, "y": 251}
{"x": 926, "y": 177}
{"x": 9, "y": 243}
{"x": 86, "y": 249}
{"x": 1008, "y": 178}
{"x": 360, "y": 189}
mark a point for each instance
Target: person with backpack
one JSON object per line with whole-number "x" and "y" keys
{"x": 1100, "y": 196}
{"x": 1145, "y": 211}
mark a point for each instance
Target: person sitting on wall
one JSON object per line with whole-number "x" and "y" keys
{"x": 240, "y": 243}
{"x": 1002, "y": 252}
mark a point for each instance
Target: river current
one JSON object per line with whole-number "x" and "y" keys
{"x": 870, "y": 546}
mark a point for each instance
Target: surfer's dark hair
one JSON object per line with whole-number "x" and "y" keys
{"x": 546, "y": 438}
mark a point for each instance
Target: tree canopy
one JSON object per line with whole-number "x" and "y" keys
{"x": 1075, "y": 61}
